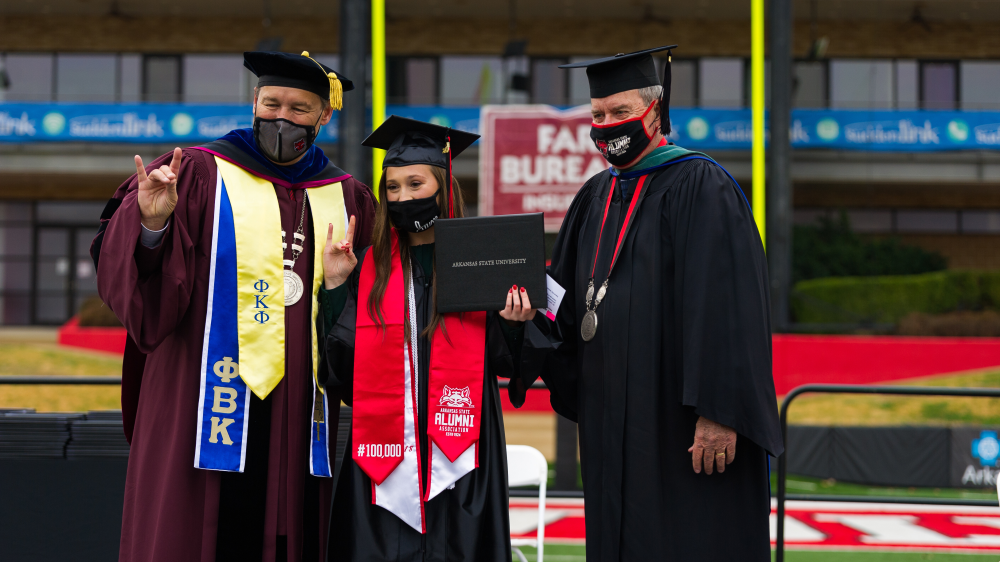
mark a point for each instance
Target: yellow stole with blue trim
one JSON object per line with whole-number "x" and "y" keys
{"x": 244, "y": 345}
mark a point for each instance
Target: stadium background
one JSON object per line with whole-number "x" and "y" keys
{"x": 445, "y": 59}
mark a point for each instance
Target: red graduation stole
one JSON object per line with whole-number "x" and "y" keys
{"x": 455, "y": 385}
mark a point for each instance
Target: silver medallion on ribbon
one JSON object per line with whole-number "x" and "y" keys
{"x": 588, "y": 328}
{"x": 293, "y": 288}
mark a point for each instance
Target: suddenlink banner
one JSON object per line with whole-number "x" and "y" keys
{"x": 169, "y": 123}
{"x": 901, "y": 131}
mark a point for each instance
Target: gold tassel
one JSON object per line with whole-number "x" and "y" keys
{"x": 336, "y": 92}
{"x": 447, "y": 147}
{"x": 336, "y": 88}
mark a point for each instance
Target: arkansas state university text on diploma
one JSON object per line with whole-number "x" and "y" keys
{"x": 504, "y": 262}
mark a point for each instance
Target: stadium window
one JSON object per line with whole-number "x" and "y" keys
{"x": 938, "y": 84}
{"x": 683, "y": 82}
{"x": 870, "y": 220}
{"x": 809, "y": 216}
{"x": 130, "y": 78}
{"x": 31, "y": 76}
{"x": 161, "y": 78}
{"x": 579, "y": 87}
{"x": 907, "y": 85}
{"x": 422, "y": 81}
{"x": 86, "y": 77}
{"x": 470, "y": 81}
{"x": 395, "y": 76}
{"x": 720, "y": 82}
{"x": 16, "y": 249}
{"x": 810, "y": 88}
{"x": 548, "y": 82}
{"x": 861, "y": 84}
{"x": 926, "y": 221}
{"x": 981, "y": 221}
{"x": 213, "y": 78}
{"x": 979, "y": 84}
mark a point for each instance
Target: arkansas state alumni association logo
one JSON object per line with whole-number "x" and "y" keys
{"x": 455, "y": 397}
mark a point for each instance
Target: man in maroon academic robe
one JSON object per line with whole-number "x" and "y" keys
{"x": 154, "y": 252}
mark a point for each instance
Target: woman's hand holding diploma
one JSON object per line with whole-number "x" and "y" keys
{"x": 518, "y": 307}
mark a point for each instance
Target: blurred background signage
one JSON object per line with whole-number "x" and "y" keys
{"x": 867, "y": 130}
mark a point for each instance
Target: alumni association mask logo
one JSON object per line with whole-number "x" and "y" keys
{"x": 281, "y": 140}
{"x": 622, "y": 142}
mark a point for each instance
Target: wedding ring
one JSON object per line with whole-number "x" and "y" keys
{"x": 720, "y": 455}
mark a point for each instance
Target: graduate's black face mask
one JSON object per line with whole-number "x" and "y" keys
{"x": 281, "y": 140}
{"x": 622, "y": 142}
{"x": 414, "y": 215}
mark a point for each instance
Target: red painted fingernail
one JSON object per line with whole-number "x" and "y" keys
{"x": 510, "y": 291}
{"x": 515, "y": 287}
{"x": 522, "y": 290}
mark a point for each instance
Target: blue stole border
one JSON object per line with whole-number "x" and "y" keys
{"x": 319, "y": 445}
{"x": 224, "y": 403}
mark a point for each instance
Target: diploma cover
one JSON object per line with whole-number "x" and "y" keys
{"x": 478, "y": 260}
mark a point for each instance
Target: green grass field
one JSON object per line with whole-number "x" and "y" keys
{"x": 568, "y": 552}
{"x": 887, "y": 410}
{"x": 21, "y": 358}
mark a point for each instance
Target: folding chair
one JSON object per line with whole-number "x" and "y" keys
{"x": 527, "y": 466}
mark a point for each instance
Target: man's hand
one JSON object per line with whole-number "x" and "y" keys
{"x": 339, "y": 259}
{"x": 714, "y": 445}
{"x": 158, "y": 192}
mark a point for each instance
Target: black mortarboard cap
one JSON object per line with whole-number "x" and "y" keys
{"x": 622, "y": 72}
{"x": 629, "y": 71}
{"x": 408, "y": 141}
{"x": 297, "y": 71}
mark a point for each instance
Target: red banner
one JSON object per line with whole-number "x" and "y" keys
{"x": 534, "y": 158}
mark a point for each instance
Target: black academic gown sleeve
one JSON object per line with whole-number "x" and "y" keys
{"x": 550, "y": 349}
{"x": 721, "y": 296}
{"x": 467, "y": 523}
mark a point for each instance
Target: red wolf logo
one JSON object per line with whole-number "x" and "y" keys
{"x": 455, "y": 397}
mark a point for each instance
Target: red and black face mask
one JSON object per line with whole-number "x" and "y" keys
{"x": 621, "y": 143}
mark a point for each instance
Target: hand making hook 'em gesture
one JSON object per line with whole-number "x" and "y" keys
{"x": 158, "y": 191}
{"x": 339, "y": 259}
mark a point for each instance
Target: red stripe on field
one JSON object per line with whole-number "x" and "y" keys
{"x": 855, "y": 360}
{"x": 860, "y": 360}
{"x": 843, "y": 526}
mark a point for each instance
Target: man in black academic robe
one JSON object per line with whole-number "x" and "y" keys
{"x": 675, "y": 379}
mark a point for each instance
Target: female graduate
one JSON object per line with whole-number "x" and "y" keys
{"x": 424, "y": 475}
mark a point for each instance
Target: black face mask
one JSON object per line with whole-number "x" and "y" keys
{"x": 281, "y": 140}
{"x": 622, "y": 142}
{"x": 414, "y": 215}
